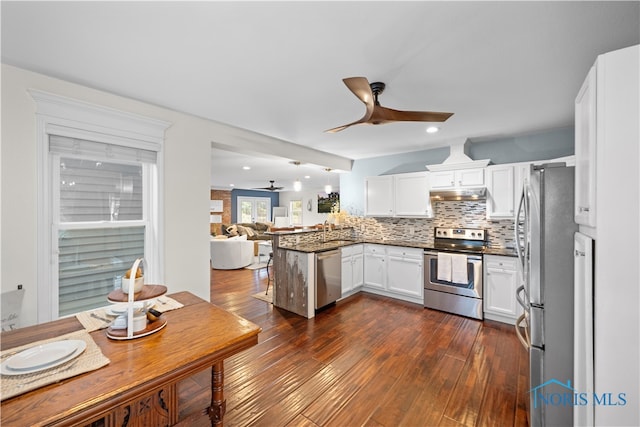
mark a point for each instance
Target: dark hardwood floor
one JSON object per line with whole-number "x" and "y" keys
{"x": 368, "y": 360}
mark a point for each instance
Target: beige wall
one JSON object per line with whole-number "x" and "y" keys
{"x": 186, "y": 193}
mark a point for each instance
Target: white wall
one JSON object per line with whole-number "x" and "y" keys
{"x": 308, "y": 217}
{"x": 186, "y": 185}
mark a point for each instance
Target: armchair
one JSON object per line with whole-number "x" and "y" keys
{"x": 230, "y": 254}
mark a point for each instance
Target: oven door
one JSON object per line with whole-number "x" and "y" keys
{"x": 473, "y": 288}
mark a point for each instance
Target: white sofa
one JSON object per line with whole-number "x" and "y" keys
{"x": 230, "y": 254}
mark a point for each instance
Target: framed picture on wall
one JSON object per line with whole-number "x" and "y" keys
{"x": 328, "y": 202}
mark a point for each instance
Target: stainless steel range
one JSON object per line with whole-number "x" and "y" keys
{"x": 453, "y": 271}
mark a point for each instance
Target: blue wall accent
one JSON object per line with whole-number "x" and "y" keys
{"x": 526, "y": 148}
{"x": 273, "y": 195}
{"x": 539, "y": 146}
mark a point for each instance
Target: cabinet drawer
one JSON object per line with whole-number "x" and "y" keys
{"x": 375, "y": 249}
{"x": 498, "y": 262}
{"x": 401, "y": 252}
{"x": 352, "y": 250}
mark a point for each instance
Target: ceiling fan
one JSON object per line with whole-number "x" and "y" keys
{"x": 270, "y": 187}
{"x": 376, "y": 114}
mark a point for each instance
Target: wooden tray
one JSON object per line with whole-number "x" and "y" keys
{"x": 152, "y": 327}
{"x": 147, "y": 292}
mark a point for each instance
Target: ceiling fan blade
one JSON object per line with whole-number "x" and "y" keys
{"x": 385, "y": 115}
{"x": 360, "y": 87}
{"x": 365, "y": 119}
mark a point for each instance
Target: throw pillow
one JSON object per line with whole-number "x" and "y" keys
{"x": 232, "y": 230}
{"x": 249, "y": 231}
{"x": 242, "y": 231}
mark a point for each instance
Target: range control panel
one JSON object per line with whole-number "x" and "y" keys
{"x": 460, "y": 233}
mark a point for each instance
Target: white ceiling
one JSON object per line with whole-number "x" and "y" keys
{"x": 275, "y": 68}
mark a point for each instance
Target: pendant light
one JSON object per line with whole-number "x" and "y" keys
{"x": 297, "y": 184}
{"x": 327, "y": 188}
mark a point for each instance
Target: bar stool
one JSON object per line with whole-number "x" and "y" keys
{"x": 269, "y": 279}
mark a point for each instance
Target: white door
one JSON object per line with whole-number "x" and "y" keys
{"x": 253, "y": 209}
{"x": 404, "y": 272}
{"x": 375, "y": 268}
{"x": 378, "y": 196}
{"x": 583, "y": 326}
{"x": 585, "y": 149}
{"x": 412, "y": 194}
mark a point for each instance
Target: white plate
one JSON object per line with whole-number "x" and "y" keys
{"x": 121, "y": 308}
{"x": 42, "y": 357}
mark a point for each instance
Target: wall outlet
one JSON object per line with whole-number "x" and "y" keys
{"x": 412, "y": 230}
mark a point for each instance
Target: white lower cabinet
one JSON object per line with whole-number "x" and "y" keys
{"x": 375, "y": 266}
{"x": 394, "y": 271}
{"x": 501, "y": 278}
{"x": 404, "y": 271}
{"x": 352, "y": 269}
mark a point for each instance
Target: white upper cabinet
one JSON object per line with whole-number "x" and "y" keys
{"x": 500, "y": 191}
{"x": 472, "y": 177}
{"x": 378, "y": 200}
{"x": 401, "y": 195}
{"x": 585, "y": 151}
{"x": 412, "y": 194}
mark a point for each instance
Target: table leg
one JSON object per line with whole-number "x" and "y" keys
{"x": 218, "y": 404}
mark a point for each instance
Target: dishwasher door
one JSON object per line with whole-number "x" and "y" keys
{"x": 328, "y": 277}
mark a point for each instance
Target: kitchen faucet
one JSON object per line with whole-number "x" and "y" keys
{"x": 324, "y": 231}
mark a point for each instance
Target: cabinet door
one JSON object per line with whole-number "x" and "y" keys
{"x": 583, "y": 326}
{"x": 347, "y": 274}
{"x": 585, "y": 151}
{"x": 379, "y": 196}
{"x": 469, "y": 177}
{"x": 500, "y": 197}
{"x": 500, "y": 284}
{"x": 357, "y": 265}
{"x": 442, "y": 179}
{"x": 375, "y": 270}
{"x": 405, "y": 273}
{"x": 412, "y": 194}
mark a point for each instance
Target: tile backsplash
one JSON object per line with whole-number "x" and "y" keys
{"x": 464, "y": 214}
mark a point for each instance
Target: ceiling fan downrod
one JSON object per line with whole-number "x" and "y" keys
{"x": 377, "y": 88}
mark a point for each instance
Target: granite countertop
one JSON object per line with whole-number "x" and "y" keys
{"x": 335, "y": 244}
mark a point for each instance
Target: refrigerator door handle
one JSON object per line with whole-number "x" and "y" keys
{"x": 522, "y": 301}
{"x": 520, "y": 229}
{"x": 523, "y": 337}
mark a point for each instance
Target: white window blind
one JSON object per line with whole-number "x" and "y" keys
{"x": 100, "y": 213}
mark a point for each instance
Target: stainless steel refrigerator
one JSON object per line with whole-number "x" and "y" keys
{"x": 544, "y": 230}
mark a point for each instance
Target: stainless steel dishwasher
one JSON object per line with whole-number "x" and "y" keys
{"x": 328, "y": 277}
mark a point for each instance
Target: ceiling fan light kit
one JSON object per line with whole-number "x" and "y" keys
{"x": 376, "y": 114}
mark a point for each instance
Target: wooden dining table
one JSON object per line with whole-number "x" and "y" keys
{"x": 139, "y": 386}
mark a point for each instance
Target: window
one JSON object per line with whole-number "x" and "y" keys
{"x": 99, "y": 201}
{"x": 295, "y": 207}
{"x": 100, "y": 217}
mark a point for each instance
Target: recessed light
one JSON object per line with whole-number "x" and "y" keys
{"x": 307, "y": 177}
{"x": 432, "y": 129}
{"x": 231, "y": 185}
{"x": 246, "y": 168}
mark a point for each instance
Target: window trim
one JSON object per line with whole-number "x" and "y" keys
{"x": 78, "y": 119}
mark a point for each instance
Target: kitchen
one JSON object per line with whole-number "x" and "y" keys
{"x": 544, "y": 245}
{"x": 187, "y": 179}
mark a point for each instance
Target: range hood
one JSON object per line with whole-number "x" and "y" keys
{"x": 459, "y": 194}
{"x": 458, "y": 158}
